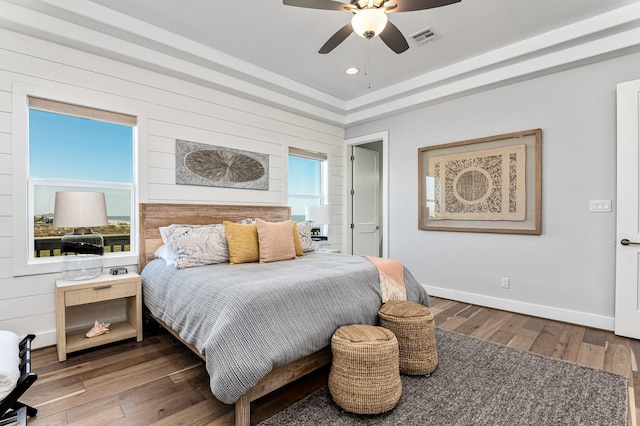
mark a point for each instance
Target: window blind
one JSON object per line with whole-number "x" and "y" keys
{"x": 81, "y": 111}
{"x": 303, "y": 153}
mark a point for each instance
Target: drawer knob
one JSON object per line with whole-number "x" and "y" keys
{"x": 102, "y": 287}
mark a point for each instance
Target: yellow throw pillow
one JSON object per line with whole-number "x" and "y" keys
{"x": 275, "y": 241}
{"x": 242, "y": 241}
{"x": 296, "y": 241}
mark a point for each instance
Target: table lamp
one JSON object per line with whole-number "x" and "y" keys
{"x": 81, "y": 250}
{"x": 319, "y": 215}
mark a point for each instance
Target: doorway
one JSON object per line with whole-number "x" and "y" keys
{"x": 627, "y": 300}
{"x": 367, "y": 206}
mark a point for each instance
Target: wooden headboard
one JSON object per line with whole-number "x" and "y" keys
{"x": 154, "y": 215}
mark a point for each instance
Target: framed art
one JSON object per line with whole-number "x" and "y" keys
{"x": 491, "y": 184}
{"x": 208, "y": 165}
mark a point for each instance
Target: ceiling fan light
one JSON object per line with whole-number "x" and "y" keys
{"x": 368, "y": 23}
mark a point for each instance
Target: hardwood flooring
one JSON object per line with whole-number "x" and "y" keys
{"x": 160, "y": 382}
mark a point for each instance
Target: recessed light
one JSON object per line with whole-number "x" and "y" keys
{"x": 352, "y": 70}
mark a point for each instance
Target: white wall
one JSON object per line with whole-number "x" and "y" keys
{"x": 568, "y": 272}
{"x": 174, "y": 109}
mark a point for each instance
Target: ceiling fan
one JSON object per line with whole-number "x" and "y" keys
{"x": 369, "y": 19}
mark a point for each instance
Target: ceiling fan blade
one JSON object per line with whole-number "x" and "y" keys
{"x": 340, "y": 36}
{"x": 410, "y": 5}
{"x": 319, "y": 4}
{"x": 393, "y": 38}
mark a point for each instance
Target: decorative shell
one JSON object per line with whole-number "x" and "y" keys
{"x": 98, "y": 329}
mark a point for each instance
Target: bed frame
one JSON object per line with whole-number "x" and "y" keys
{"x": 153, "y": 216}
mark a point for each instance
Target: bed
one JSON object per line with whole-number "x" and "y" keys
{"x": 258, "y": 326}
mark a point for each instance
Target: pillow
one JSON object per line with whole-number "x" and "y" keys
{"x": 243, "y": 242}
{"x": 304, "y": 231}
{"x": 165, "y": 252}
{"x": 275, "y": 241}
{"x": 197, "y": 245}
{"x": 163, "y": 234}
{"x": 247, "y": 221}
{"x": 9, "y": 362}
{"x": 296, "y": 241}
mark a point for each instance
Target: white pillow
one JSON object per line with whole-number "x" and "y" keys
{"x": 163, "y": 234}
{"x": 165, "y": 252}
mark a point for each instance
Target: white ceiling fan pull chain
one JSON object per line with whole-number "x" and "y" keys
{"x": 368, "y": 66}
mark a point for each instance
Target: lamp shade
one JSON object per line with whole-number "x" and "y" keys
{"x": 79, "y": 210}
{"x": 368, "y": 23}
{"x": 318, "y": 214}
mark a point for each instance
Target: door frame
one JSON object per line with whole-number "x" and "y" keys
{"x": 627, "y": 283}
{"x": 384, "y": 182}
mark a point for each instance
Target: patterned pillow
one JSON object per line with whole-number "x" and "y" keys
{"x": 296, "y": 240}
{"x": 304, "y": 231}
{"x": 275, "y": 240}
{"x": 197, "y": 245}
{"x": 243, "y": 242}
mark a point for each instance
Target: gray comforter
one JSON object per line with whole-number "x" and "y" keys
{"x": 249, "y": 318}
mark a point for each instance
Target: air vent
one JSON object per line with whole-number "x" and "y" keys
{"x": 426, "y": 35}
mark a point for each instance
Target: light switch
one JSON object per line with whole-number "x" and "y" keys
{"x": 600, "y": 206}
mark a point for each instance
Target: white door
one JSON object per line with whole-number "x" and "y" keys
{"x": 365, "y": 202}
{"x": 627, "y": 309}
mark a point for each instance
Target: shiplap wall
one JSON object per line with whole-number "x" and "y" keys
{"x": 175, "y": 109}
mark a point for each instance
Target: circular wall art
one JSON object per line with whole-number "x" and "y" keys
{"x": 472, "y": 185}
{"x": 207, "y": 165}
{"x": 223, "y": 165}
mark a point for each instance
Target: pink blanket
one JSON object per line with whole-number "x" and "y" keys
{"x": 391, "y": 278}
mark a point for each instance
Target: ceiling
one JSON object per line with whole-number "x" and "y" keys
{"x": 265, "y": 50}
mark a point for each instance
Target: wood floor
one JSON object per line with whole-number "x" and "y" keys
{"x": 160, "y": 382}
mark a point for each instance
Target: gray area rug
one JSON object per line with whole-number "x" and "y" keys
{"x": 482, "y": 383}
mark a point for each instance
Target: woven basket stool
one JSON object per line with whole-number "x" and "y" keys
{"x": 414, "y": 328}
{"x": 365, "y": 376}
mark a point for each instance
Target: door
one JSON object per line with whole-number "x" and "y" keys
{"x": 627, "y": 309}
{"x": 365, "y": 199}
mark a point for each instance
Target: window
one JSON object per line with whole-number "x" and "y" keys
{"x": 307, "y": 171}
{"x": 75, "y": 148}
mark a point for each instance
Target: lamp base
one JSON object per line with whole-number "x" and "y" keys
{"x": 82, "y": 266}
{"x": 82, "y": 254}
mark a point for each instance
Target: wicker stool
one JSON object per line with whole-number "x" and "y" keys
{"x": 414, "y": 328}
{"x": 364, "y": 376}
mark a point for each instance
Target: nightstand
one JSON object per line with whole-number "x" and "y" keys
{"x": 103, "y": 288}
{"x": 328, "y": 250}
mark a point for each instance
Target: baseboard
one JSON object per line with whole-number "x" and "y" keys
{"x": 44, "y": 338}
{"x": 548, "y": 312}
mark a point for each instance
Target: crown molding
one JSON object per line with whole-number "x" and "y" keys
{"x": 117, "y": 36}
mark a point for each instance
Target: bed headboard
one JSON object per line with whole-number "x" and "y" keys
{"x": 155, "y": 215}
